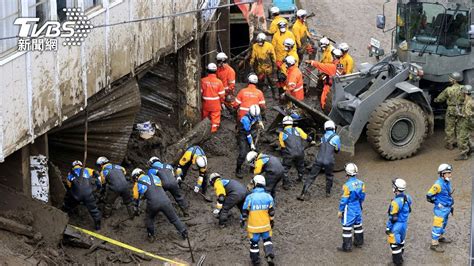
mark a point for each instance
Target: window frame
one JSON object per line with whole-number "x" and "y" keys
{"x": 8, "y": 51}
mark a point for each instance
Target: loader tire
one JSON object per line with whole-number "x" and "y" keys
{"x": 397, "y": 128}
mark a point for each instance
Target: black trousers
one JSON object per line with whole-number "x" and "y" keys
{"x": 176, "y": 192}
{"x": 110, "y": 198}
{"x": 168, "y": 211}
{"x": 272, "y": 181}
{"x": 244, "y": 148}
{"x": 232, "y": 200}
{"x": 289, "y": 161}
{"x": 71, "y": 202}
{"x": 316, "y": 169}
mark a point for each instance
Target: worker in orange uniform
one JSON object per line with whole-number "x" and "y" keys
{"x": 302, "y": 35}
{"x": 276, "y": 18}
{"x": 294, "y": 81}
{"x": 213, "y": 94}
{"x": 346, "y": 59}
{"x": 330, "y": 70}
{"x": 249, "y": 96}
{"x": 282, "y": 72}
{"x": 262, "y": 59}
{"x": 225, "y": 73}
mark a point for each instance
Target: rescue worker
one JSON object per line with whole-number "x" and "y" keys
{"x": 454, "y": 99}
{"x": 302, "y": 35}
{"x": 149, "y": 187}
{"x": 249, "y": 96}
{"x": 465, "y": 124}
{"x": 329, "y": 70}
{"x": 225, "y": 73}
{"x": 278, "y": 40}
{"x": 440, "y": 194}
{"x": 326, "y": 49}
{"x": 282, "y": 67}
{"x": 247, "y": 135}
{"x": 346, "y": 59}
{"x": 213, "y": 94}
{"x": 168, "y": 181}
{"x": 330, "y": 144}
{"x": 114, "y": 184}
{"x": 292, "y": 147}
{"x": 230, "y": 193}
{"x": 80, "y": 189}
{"x": 294, "y": 80}
{"x": 271, "y": 167}
{"x": 350, "y": 209}
{"x": 397, "y": 224}
{"x": 258, "y": 212}
{"x": 276, "y": 18}
{"x": 262, "y": 60}
{"x": 193, "y": 155}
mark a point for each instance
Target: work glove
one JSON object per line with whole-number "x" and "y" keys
{"x": 339, "y": 215}
{"x": 252, "y": 147}
{"x": 196, "y": 189}
{"x": 184, "y": 234}
{"x": 179, "y": 179}
{"x": 272, "y": 223}
{"x": 388, "y": 231}
{"x": 242, "y": 223}
{"x": 216, "y": 212}
{"x": 260, "y": 124}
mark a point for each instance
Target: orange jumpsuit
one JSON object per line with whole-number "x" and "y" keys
{"x": 248, "y": 97}
{"x": 227, "y": 75}
{"x": 294, "y": 82}
{"x": 213, "y": 93}
{"x": 330, "y": 69}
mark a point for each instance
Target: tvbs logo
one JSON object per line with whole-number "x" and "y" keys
{"x": 36, "y": 37}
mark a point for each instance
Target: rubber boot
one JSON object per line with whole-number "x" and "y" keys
{"x": 346, "y": 245}
{"x": 107, "y": 211}
{"x": 462, "y": 157}
{"x": 97, "y": 225}
{"x": 254, "y": 256}
{"x": 397, "y": 259}
{"x": 358, "y": 236}
{"x": 151, "y": 238}
{"x": 436, "y": 247}
{"x": 328, "y": 188}
{"x": 445, "y": 240}
{"x": 303, "y": 193}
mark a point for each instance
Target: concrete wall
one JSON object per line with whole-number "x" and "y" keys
{"x": 40, "y": 90}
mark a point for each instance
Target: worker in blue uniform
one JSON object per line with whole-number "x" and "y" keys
{"x": 269, "y": 166}
{"x": 193, "y": 155}
{"x": 258, "y": 213}
{"x": 440, "y": 194}
{"x": 165, "y": 172}
{"x": 397, "y": 224}
{"x": 350, "y": 209}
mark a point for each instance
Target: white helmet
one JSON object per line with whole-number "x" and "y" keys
{"x": 301, "y": 13}
{"x": 201, "y": 161}
{"x": 212, "y": 67}
{"x": 253, "y": 79}
{"x": 287, "y": 120}
{"x": 351, "y": 169}
{"x": 101, "y": 160}
{"x": 136, "y": 173}
{"x": 254, "y": 110}
{"x": 324, "y": 41}
{"x": 399, "y": 184}
{"x": 259, "y": 180}
{"x": 213, "y": 177}
{"x": 444, "y": 168}
{"x": 282, "y": 24}
{"x": 153, "y": 160}
{"x": 329, "y": 125}
{"x": 274, "y": 10}
{"x": 221, "y": 57}
{"x": 251, "y": 156}
{"x": 290, "y": 60}
{"x": 75, "y": 163}
{"x": 261, "y": 37}
{"x": 343, "y": 47}
{"x": 336, "y": 53}
{"x": 288, "y": 42}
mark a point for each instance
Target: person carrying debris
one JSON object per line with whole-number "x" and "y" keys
{"x": 272, "y": 168}
{"x": 330, "y": 144}
{"x": 350, "y": 209}
{"x": 258, "y": 213}
{"x": 230, "y": 193}
{"x": 454, "y": 98}
{"x": 247, "y": 135}
{"x": 397, "y": 224}
{"x": 465, "y": 124}
{"x": 149, "y": 187}
{"x": 249, "y": 96}
{"x": 302, "y": 35}
{"x": 114, "y": 184}
{"x": 346, "y": 59}
{"x": 225, "y": 73}
{"x": 193, "y": 155}
{"x": 262, "y": 59}
{"x": 292, "y": 147}
{"x": 80, "y": 189}
{"x": 294, "y": 80}
{"x": 169, "y": 183}
{"x": 330, "y": 70}
{"x": 213, "y": 95}
{"x": 441, "y": 195}
{"x": 276, "y": 19}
